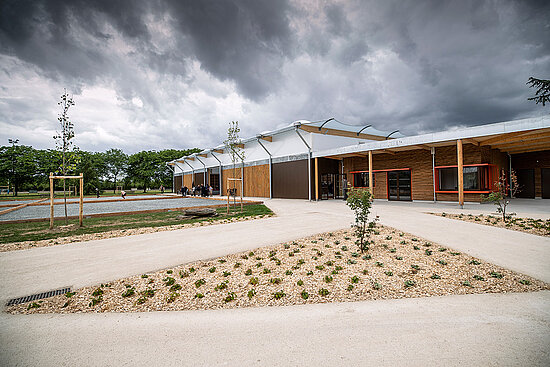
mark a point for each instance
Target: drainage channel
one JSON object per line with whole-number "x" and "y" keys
{"x": 34, "y": 297}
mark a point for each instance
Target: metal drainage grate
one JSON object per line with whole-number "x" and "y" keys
{"x": 34, "y": 297}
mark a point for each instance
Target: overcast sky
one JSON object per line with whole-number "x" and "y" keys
{"x": 172, "y": 74}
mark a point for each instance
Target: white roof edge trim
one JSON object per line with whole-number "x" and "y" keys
{"x": 469, "y": 132}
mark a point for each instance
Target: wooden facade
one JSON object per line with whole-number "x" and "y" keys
{"x": 255, "y": 183}
{"x": 419, "y": 162}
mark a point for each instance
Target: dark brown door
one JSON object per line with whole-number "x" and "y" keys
{"x": 399, "y": 185}
{"x": 526, "y": 182}
{"x": 545, "y": 172}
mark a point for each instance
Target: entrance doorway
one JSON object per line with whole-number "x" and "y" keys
{"x": 332, "y": 186}
{"x": 545, "y": 173}
{"x": 399, "y": 185}
{"x": 526, "y": 182}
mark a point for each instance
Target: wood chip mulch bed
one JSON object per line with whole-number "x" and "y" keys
{"x": 13, "y": 246}
{"x": 316, "y": 269}
{"x": 537, "y": 227}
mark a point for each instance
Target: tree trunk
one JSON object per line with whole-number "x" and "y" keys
{"x": 65, "y": 202}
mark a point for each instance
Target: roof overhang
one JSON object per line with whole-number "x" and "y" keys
{"x": 526, "y": 135}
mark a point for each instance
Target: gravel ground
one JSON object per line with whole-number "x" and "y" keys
{"x": 32, "y": 212}
{"x": 316, "y": 269}
{"x": 13, "y": 246}
{"x": 539, "y": 227}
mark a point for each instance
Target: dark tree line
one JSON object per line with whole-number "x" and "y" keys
{"x": 26, "y": 168}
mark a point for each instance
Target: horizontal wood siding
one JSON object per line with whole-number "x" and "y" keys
{"x": 420, "y": 163}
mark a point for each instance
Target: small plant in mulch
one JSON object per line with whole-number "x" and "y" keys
{"x": 442, "y": 249}
{"x": 95, "y": 301}
{"x": 300, "y": 282}
{"x": 251, "y": 253}
{"x": 319, "y": 267}
{"x": 69, "y": 294}
{"x": 279, "y": 295}
{"x": 524, "y": 282}
{"x": 275, "y": 280}
{"x": 402, "y": 242}
{"x": 399, "y": 257}
{"x": 323, "y": 292}
{"x": 496, "y": 275}
{"x": 467, "y": 283}
{"x": 388, "y": 238}
{"x": 267, "y": 271}
{"x": 191, "y": 269}
{"x": 347, "y": 238}
{"x": 337, "y": 242}
{"x": 226, "y": 273}
{"x": 221, "y": 261}
{"x": 253, "y": 281}
{"x": 388, "y": 273}
{"x": 286, "y": 246}
{"x": 97, "y": 292}
{"x": 367, "y": 257}
{"x": 212, "y": 269}
{"x": 129, "y": 292}
{"x": 144, "y": 276}
{"x": 230, "y": 297}
{"x": 169, "y": 281}
{"x": 379, "y": 264}
{"x": 454, "y": 253}
{"x": 329, "y": 263}
{"x": 309, "y": 272}
{"x": 442, "y": 262}
{"x": 148, "y": 293}
{"x": 355, "y": 279}
{"x": 428, "y": 252}
{"x": 479, "y": 277}
{"x": 200, "y": 282}
{"x": 409, "y": 283}
{"x": 435, "y": 276}
{"x": 172, "y": 297}
{"x": 328, "y": 279}
{"x": 344, "y": 248}
{"x": 416, "y": 247}
{"x": 393, "y": 250}
{"x": 33, "y": 305}
{"x": 237, "y": 265}
{"x": 288, "y": 272}
{"x": 427, "y": 244}
{"x": 199, "y": 295}
{"x": 351, "y": 262}
{"x": 474, "y": 262}
{"x": 290, "y": 254}
{"x": 304, "y": 294}
{"x": 169, "y": 271}
{"x": 251, "y": 293}
{"x": 141, "y": 300}
{"x": 248, "y": 272}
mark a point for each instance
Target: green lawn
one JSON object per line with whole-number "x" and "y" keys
{"x": 39, "y": 230}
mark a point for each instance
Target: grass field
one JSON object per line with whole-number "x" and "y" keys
{"x": 34, "y": 231}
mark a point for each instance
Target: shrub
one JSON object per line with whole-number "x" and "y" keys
{"x": 144, "y": 276}
{"x": 148, "y": 292}
{"x": 360, "y": 201}
{"x": 494, "y": 274}
{"x": 355, "y": 279}
{"x": 199, "y": 295}
{"x": 226, "y": 273}
{"x": 175, "y": 287}
{"x": 253, "y": 281}
{"x": 267, "y": 271}
{"x": 169, "y": 272}
{"x": 288, "y": 272}
{"x": 376, "y": 286}
{"x": 435, "y": 276}
{"x": 248, "y": 272}
{"x": 379, "y": 264}
{"x": 467, "y": 283}
{"x": 183, "y": 274}
{"x": 251, "y": 293}
{"x": 212, "y": 269}
{"x": 323, "y": 292}
{"x": 304, "y": 295}
{"x": 172, "y": 297}
{"x": 442, "y": 262}
{"x": 479, "y": 277}
{"x": 328, "y": 279}
{"x": 200, "y": 282}
{"x": 275, "y": 280}
{"x": 409, "y": 283}
{"x": 279, "y": 295}
{"x": 129, "y": 292}
{"x": 474, "y": 262}
{"x": 97, "y": 292}
{"x": 524, "y": 282}
{"x": 300, "y": 282}
{"x": 33, "y": 305}
{"x": 230, "y": 297}
{"x": 169, "y": 281}
{"x": 350, "y": 287}
{"x": 221, "y": 286}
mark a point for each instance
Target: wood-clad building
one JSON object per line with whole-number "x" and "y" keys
{"x": 318, "y": 160}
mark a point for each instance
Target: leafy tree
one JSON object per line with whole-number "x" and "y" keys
{"x": 64, "y": 144}
{"x": 163, "y": 175}
{"x": 360, "y": 201}
{"x": 116, "y": 162}
{"x": 234, "y": 145}
{"x": 142, "y": 167}
{"x": 18, "y": 163}
{"x": 542, "y": 95}
{"x": 92, "y": 165}
{"x": 503, "y": 188}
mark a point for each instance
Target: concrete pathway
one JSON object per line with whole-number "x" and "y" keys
{"x": 491, "y": 329}
{"x": 473, "y": 330}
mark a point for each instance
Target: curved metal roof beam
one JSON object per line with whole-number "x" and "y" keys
{"x": 390, "y": 134}
{"x": 366, "y": 127}
{"x": 323, "y": 124}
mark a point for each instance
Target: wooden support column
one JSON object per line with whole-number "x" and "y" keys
{"x": 51, "y": 200}
{"x": 316, "y": 179}
{"x": 460, "y": 173}
{"x": 81, "y": 211}
{"x": 370, "y": 174}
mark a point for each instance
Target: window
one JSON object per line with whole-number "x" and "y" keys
{"x": 361, "y": 179}
{"x": 476, "y": 178}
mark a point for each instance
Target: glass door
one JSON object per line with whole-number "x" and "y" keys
{"x": 399, "y": 185}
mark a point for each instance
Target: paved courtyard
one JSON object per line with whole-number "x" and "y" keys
{"x": 490, "y": 329}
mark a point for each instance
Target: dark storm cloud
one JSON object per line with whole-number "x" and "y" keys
{"x": 416, "y": 66}
{"x": 244, "y": 41}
